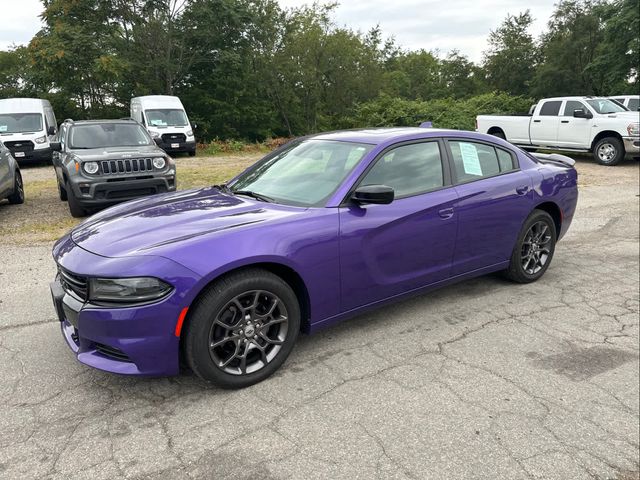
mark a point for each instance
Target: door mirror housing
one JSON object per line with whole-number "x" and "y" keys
{"x": 580, "y": 113}
{"x": 157, "y": 140}
{"x": 376, "y": 194}
{"x": 56, "y": 146}
{"x": 51, "y": 131}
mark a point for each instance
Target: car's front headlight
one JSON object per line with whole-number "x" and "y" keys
{"x": 40, "y": 140}
{"x": 189, "y": 133}
{"x": 90, "y": 167}
{"x": 159, "y": 162}
{"x": 633, "y": 129}
{"x": 127, "y": 290}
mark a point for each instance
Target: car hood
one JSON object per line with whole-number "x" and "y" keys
{"x": 142, "y": 227}
{"x": 118, "y": 153}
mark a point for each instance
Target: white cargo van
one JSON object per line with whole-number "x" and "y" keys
{"x": 27, "y": 128}
{"x": 167, "y": 122}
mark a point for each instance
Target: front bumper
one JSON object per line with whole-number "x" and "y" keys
{"x": 24, "y": 156}
{"x": 131, "y": 340}
{"x": 92, "y": 192}
{"x": 631, "y": 145}
{"x": 180, "y": 147}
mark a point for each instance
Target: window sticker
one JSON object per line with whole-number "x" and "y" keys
{"x": 158, "y": 123}
{"x": 3, "y": 128}
{"x": 470, "y": 159}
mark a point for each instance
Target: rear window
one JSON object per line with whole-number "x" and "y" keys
{"x": 551, "y": 108}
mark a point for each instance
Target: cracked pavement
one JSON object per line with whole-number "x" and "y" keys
{"x": 484, "y": 379}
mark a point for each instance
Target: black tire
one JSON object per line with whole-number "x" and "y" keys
{"x": 192, "y": 154}
{"x": 523, "y": 267}
{"x": 609, "y": 151}
{"x": 216, "y": 313}
{"x": 77, "y": 211}
{"x": 498, "y": 133}
{"x": 62, "y": 192}
{"x": 17, "y": 197}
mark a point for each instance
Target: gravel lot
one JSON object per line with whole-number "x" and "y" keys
{"x": 484, "y": 379}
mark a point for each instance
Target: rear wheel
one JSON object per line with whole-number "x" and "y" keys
{"x": 77, "y": 211}
{"x": 242, "y": 329}
{"x": 609, "y": 151}
{"x": 534, "y": 248}
{"x": 498, "y": 133}
{"x": 17, "y": 197}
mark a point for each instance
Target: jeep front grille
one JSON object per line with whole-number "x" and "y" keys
{"x": 112, "y": 167}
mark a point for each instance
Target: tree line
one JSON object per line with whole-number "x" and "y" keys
{"x": 250, "y": 69}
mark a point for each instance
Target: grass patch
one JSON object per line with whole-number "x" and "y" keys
{"x": 195, "y": 177}
{"x": 226, "y": 147}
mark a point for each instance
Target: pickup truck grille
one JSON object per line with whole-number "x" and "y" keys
{"x": 20, "y": 146}
{"x": 112, "y": 167}
{"x": 73, "y": 284}
{"x": 174, "y": 138}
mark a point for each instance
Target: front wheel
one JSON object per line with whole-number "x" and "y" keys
{"x": 534, "y": 248}
{"x": 192, "y": 153}
{"x": 17, "y": 197}
{"x": 242, "y": 329}
{"x": 77, "y": 211}
{"x": 609, "y": 151}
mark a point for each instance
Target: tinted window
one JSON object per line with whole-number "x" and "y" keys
{"x": 409, "y": 169}
{"x": 572, "y": 105}
{"x": 550, "y": 108}
{"x": 634, "y": 103}
{"x": 473, "y": 161}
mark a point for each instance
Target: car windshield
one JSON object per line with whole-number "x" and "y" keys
{"x": 305, "y": 174}
{"x": 167, "y": 117}
{"x": 20, "y": 122}
{"x": 604, "y": 106}
{"x": 100, "y": 135}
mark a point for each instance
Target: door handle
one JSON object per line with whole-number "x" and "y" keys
{"x": 522, "y": 190}
{"x": 564, "y": 121}
{"x": 446, "y": 213}
{"x": 537, "y": 121}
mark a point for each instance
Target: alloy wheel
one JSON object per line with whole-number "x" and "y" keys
{"x": 248, "y": 332}
{"x": 536, "y": 248}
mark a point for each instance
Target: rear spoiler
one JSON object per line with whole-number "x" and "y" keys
{"x": 555, "y": 158}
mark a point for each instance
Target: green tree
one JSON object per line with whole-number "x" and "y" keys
{"x": 511, "y": 59}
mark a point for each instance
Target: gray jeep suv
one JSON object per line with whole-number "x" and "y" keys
{"x": 103, "y": 162}
{"x": 11, "y": 186}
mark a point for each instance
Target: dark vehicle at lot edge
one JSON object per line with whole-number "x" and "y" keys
{"x": 11, "y": 186}
{"x": 103, "y": 162}
{"x": 225, "y": 277}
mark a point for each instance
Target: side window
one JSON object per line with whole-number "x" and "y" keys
{"x": 473, "y": 161}
{"x": 551, "y": 108}
{"x": 409, "y": 169}
{"x": 634, "y": 103}
{"x": 572, "y": 105}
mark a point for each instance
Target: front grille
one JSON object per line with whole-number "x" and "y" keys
{"x": 116, "y": 167}
{"x": 111, "y": 352}
{"x": 174, "y": 138}
{"x": 20, "y": 146}
{"x": 73, "y": 284}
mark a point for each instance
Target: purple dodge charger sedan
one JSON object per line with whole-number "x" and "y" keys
{"x": 225, "y": 277}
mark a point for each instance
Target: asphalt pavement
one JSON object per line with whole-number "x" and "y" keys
{"x": 484, "y": 379}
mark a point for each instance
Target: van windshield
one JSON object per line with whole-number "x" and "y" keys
{"x": 20, "y": 122}
{"x": 101, "y": 135}
{"x": 166, "y": 117}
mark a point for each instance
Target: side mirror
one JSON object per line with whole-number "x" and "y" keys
{"x": 56, "y": 146}
{"x": 580, "y": 113}
{"x": 195, "y": 126}
{"x": 51, "y": 131}
{"x": 378, "y": 194}
{"x": 158, "y": 140}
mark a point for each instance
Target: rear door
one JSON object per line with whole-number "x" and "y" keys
{"x": 573, "y": 132}
{"x": 386, "y": 250}
{"x": 494, "y": 198}
{"x": 544, "y": 123}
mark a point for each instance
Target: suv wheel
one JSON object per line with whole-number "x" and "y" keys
{"x": 17, "y": 197}
{"x": 75, "y": 208}
{"x": 62, "y": 192}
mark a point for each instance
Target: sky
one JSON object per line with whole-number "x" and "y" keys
{"x": 430, "y": 24}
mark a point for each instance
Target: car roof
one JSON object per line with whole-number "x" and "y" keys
{"x": 376, "y": 136}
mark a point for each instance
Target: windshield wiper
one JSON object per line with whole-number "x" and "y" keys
{"x": 249, "y": 193}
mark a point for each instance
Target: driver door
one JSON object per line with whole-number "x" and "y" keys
{"x": 386, "y": 250}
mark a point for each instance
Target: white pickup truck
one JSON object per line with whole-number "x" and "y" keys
{"x": 579, "y": 124}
